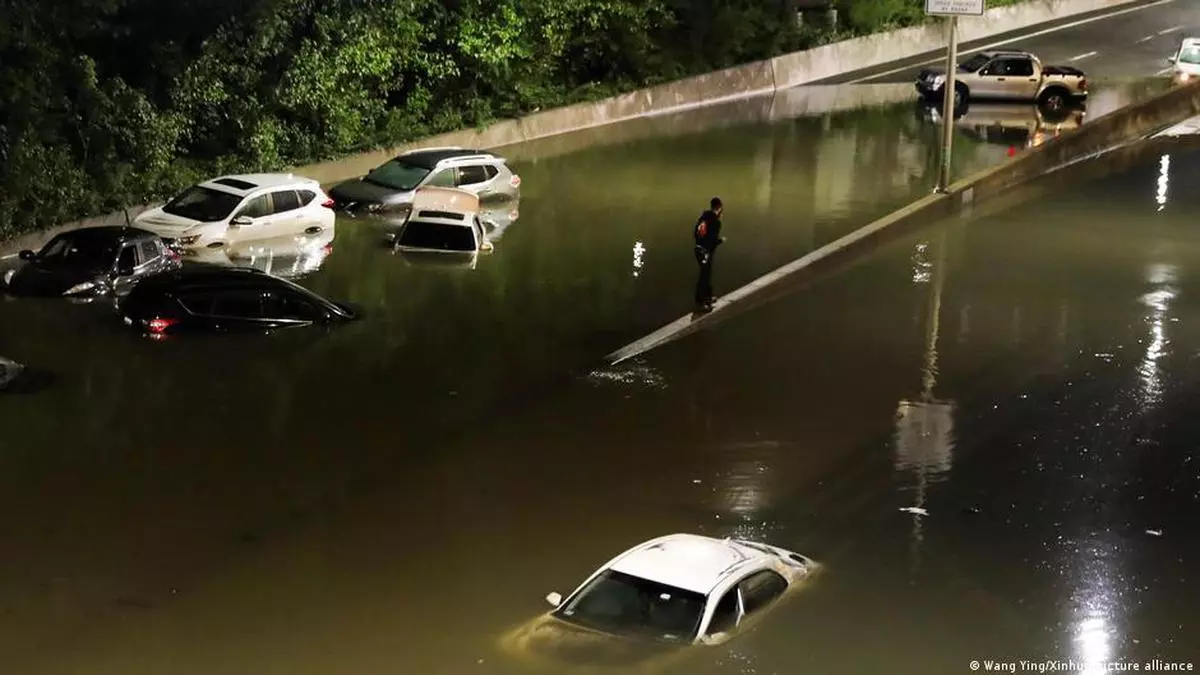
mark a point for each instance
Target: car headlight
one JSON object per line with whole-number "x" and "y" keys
{"x": 8, "y": 276}
{"x": 80, "y": 288}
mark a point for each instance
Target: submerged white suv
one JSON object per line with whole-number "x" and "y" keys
{"x": 236, "y": 209}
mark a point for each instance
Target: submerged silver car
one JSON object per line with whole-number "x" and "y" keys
{"x": 393, "y": 184}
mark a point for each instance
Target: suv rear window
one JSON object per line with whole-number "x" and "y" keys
{"x": 397, "y": 175}
{"x": 437, "y": 236}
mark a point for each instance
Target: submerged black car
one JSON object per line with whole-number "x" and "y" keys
{"x": 91, "y": 262}
{"x": 204, "y": 298}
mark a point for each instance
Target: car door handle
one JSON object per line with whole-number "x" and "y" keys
{"x": 999, "y": 79}
{"x": 1033, "y": 79}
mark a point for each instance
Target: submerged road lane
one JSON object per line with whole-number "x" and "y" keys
{"x": 1028, "y": 379}
{"x": 1127, "y": 44}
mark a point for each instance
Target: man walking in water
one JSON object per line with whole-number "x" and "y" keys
{"x": 708, "y": 238}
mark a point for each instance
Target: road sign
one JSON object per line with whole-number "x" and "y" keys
{"x": 954, "y": 7}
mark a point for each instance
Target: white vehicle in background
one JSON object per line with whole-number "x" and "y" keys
{"x": 233, "y": 210}
{"x": 1186, "y": 61}
{"x": 669, "y": 592}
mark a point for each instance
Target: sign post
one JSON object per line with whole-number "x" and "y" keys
{"x": 951, "y": 9}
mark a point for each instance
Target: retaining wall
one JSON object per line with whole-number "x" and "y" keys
{"x": 1117, "y": 133}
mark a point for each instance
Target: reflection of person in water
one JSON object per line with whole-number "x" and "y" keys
{"x": 708, "y": 237}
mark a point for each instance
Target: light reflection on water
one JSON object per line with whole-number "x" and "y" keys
{"x": 1162, "y": 278}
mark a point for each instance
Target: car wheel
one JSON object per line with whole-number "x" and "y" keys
{"x": 1054, "y": 99}
{"x": 961, "y": 93}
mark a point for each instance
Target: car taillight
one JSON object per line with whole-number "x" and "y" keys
{"x": 172, "y": 253}
{"x": 327, "y": 249}
{"x": 159, "y": 325}
{"x": 515, "y": 181}
{"x": 1083, "y": 83}
{"x": 329, "y": 203}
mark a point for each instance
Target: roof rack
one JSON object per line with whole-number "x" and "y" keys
{"x": 433, "y": 149}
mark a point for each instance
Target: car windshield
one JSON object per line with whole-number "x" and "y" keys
{"x": 397, "y": 175}
{"x": 203, "y": 204}
{"x": 1189, "y": 55}
{"x": 630, "y": 606}
{"x": 90, "y": 250}
{"x": 426, "y": 234}
{"x": 974, "y": 63}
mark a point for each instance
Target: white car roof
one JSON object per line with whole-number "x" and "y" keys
{"x": 689, "y": 561}
{"x": 244, "y": 184}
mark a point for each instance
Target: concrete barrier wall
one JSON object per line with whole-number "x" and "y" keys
{"x": 1118, "y": 133}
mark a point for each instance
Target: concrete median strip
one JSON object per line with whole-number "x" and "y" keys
{"x": 1119, "y": 128}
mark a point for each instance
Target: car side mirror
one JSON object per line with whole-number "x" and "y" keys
{"x": 555, "y": 598}
{"x": 1171, "y": 60}
{"x": 28, "y": 256}
{"x": 241, "y": 221}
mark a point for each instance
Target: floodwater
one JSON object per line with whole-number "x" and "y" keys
{"x": 394, "y": 495}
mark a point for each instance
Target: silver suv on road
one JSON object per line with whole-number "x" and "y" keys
{"x": 392, "y": 185}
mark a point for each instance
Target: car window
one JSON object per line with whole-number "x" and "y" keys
{"x": 761, "y": 589}
{"x": 82, "y": 248}
{"x": 443, "y": 178}
{"x": 492, "y": 171}
{"x": 974, "y": 63}
{"x": 256, "y": 208}
{"x": 437, "y": 236}
{"x": 149, "y": 251}
{"x": 471, "y": 175}
{"x": 1019, "y": 68}
{"x": 626, "y": 605}
{"x": 725, "y": 616}
{"x": 203, "y": 204}
{"x": 280, "y": 304}
{"x": 1189, "y": 54}
{"x": 236, "y": 303}
{"x": 478, "y": 229}
{"x": 306, "y": 196}
{"x": 128, "y": 257}
{"x": 397, "y": 174}
{"x": 284, "y": 200}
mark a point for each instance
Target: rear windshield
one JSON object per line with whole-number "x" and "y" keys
{"x": 397, "y": 175}
{"x": 437, "y": 236}
{"x": 203, "y": 204}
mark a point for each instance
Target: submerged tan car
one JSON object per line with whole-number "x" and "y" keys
{"x": 652, "y": 603}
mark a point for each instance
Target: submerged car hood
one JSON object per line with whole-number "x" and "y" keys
{"x": 36, "y": 280}
{"x": 164, "y": 224}
{"x": 363, "y": 194}
{"x": 548, "y": 639}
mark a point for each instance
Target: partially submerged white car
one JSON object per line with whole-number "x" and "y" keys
{"x": 445, "y": 223}
{"x": 673, "y": 591}
{"x": 231, "y": 210}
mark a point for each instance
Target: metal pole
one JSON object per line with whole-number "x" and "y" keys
{"x": 948, "y": 100}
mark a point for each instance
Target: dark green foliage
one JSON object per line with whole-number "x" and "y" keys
{"x": 105, "y": 103}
